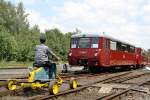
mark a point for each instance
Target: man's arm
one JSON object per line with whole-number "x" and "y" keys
{"x": 53, "y": 54}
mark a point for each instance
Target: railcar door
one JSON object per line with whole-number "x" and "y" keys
{"x": 105, "y": 52}
{"x": 138, "y": 56}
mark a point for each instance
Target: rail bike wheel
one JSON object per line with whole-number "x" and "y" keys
{"x": 73, "y": 84}
{"x": 53, "y": 88}
{"x": 11, "y": 85}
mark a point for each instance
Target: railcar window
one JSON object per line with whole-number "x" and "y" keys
{"x": 84, "y": 43}
{"x": 104, "y": 43}
{"x": 132, "y": 49}
{"x": 113, "y": 45}
{"x": 143, "y": 52}
{"x": 74, "y": 42}
{"x": 94, "y": 42}
{"x": 123, "y": 47}
{"x": 128, "y": 48}
{"x": 119, "y": 46}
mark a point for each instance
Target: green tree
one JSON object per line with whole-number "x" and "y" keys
{"x": 58, "y": 42}
{"x": 18, "y": 39}
{"x": 7, "y": 45}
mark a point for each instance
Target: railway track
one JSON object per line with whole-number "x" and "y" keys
{"x": 121, "y": 77}
{"x": 124, "y": 78}
{"x": 112, "y": 96}
{"x": 3, "y": 82}
{"x": 47, "y": 96}
{"x": 17, "y": 73}
{"x": 113, "y": 78}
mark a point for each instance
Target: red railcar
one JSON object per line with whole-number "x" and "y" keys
{"x": 101, "y": 51}
{"x": 141, "y": 57}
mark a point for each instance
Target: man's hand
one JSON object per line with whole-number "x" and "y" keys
{"x": 58, "y": 59}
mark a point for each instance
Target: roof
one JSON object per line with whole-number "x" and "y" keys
{"x": 99, "y": 35}
{"x": 87, "y": 35}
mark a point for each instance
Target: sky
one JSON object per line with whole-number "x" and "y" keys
{"x": 127, "y": 20}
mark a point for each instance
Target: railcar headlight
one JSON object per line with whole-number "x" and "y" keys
{"x": 70, "y": 54}
{"x": 95, "y": 54}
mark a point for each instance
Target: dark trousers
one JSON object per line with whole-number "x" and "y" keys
{"x": 52, "y": 71}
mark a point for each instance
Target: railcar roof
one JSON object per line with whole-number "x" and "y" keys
{"x": 100, "y": 35}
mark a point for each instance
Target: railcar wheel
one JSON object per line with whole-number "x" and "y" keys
{"x": 73, "y": 84}
{"x": 53, "y": 88}
{"x": 11, "y": 85}
{"x": 91, "y": 70}
{"x": 65, "y": 68}
{"x": 95, "y": 69}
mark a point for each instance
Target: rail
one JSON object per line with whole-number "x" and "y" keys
{"x": 47, "y": 96}
{"x": 113, "y": 95}
{"x": 109, "y": 79}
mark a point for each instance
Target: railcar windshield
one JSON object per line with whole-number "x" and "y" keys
{"x": 85, "y": 42}
{"x": 94, "y": 43}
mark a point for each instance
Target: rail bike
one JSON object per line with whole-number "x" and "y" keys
{"x": 41, "y": 77}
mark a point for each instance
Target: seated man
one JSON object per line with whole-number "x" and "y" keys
{"x": 42, "y": 57}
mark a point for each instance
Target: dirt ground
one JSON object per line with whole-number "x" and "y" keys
{"x": 93, "y": 92}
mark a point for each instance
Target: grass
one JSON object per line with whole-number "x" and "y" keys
{"x": 11, "y": 64}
